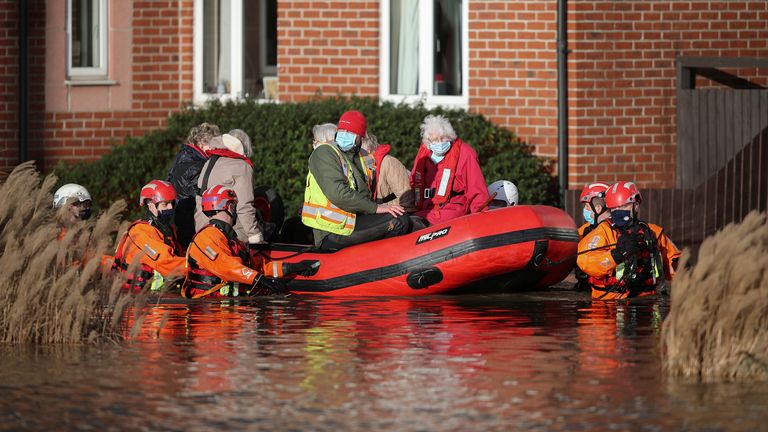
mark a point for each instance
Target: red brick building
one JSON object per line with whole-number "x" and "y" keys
{"x": 101, "y": 70}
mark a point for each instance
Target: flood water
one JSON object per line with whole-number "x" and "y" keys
{"x": 550, "y": 360}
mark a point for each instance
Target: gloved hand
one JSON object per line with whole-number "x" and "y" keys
{"x": 267, "y": 229}
{"x": 626, "y": 245}
{"x": 267, "y": 286}
{"x": 304, "y": 268}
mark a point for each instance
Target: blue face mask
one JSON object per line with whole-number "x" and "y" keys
{"x": 345, "y": 140}
{"x": 436, "y": 159}
{"x": 621, "y": 218}
{"x": 589, "y": 217}
{"x": 440, "y": 149}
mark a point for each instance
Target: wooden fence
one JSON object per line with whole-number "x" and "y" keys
{"x": 722, "y": 157}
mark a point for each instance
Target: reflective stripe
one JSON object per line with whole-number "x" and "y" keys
{"x": 444, "y": 181}
{"x": 274, "y": 268}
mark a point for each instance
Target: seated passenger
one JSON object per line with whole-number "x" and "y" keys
{"x": 338, "y": 199}
{"x": 323, "y": 134}
{"x": 393, "y": 181}
{"x": 624, "y": 256}
{"x": 502, "y": 193}
{"x": 230, "y": 165}
{"x": 446, "y": 175}
{"x": 184, "y": 174}
{"x": 151, "y": 240}
{"x": 220, "y": 265}
{"x": 74, "y": 202}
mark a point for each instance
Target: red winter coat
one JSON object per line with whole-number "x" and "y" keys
{"x": 468, "y": 191}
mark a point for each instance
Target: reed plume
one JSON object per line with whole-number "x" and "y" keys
{"x": 52, "y": 286}
{"x": 719, "y": 314}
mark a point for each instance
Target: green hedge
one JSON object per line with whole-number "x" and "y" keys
{"x": 281, "y": 134}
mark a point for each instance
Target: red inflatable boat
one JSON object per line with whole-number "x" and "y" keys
{"x": 501, "y": 249}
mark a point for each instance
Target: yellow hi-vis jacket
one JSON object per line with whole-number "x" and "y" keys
{"x": 319, "y": 212}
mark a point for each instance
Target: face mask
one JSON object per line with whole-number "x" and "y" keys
{"x": 589, "y": 217}
{"x": 345, "y": 140}
{"x": 621, "y": 218}
{"x": 436, "y": 159}
{"x": 441, "y": 148}
{"x": 166, "y": 216}
{"x": 85, "y": 213}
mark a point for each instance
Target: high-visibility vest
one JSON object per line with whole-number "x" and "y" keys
{"x": 319, "y": 212}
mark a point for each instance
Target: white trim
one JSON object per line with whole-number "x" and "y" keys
{"x": 103, "y": 26}
{"x": 426, "y": 66}
{"x": 197, "y": 58}
{"x": 236, "y": 43}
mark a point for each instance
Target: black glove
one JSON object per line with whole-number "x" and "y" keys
{"x": 626, "y": 245}
{"x": 267, "y": 229}
{"x": 267, "y": 286}
{"x": 304, "y": 268}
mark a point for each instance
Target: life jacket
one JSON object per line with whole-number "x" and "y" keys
{"x": 640, "y": 273}
{"x": 319, "y": 212}
{"x": 419, "y": 174}
{"x": 378, "y": 157}
{"x": 137, "y": 279}
{"x": 201, "y": 282}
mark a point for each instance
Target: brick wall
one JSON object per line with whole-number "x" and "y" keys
{"x": 513, "y": 68}
{"x": 160, "y": 83}
{"x": 327, "y": 47}
{"x": 9, "y": 82}
{"x": 624, "y": 78}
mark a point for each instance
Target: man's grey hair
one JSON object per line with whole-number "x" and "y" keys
{"x": 324, "y": 133}
{"x": 370, "y": 142}
{"x": 245, "y": 139}
{"x": 437, "y": 125}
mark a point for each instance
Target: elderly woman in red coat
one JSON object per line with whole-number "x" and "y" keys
{"x": 446, "y": 175}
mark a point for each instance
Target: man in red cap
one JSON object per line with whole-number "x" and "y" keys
{"x": 338, "y": 199}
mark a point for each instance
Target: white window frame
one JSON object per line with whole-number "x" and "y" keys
{"x": 426, "y": 62}
{"x": 235, "y": 58}
{"x": 89, "y": 72}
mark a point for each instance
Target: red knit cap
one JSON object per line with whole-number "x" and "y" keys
{"x": 353, "y": 121}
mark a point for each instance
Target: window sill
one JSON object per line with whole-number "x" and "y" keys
{"x": 89, "y": 82}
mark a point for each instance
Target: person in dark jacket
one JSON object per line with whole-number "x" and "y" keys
{"x": 183, "y": 176}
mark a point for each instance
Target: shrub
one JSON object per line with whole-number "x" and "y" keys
{"x": 282, "y": 136}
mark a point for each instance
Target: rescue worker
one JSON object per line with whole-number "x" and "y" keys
{"x": 594, "y": 211}
{"x": 624, "y": 256}
{"x": 502, "y": 193}
{"x": 151, "y": 240}
{"x": 184, "y": 174}
{"x": 392, "y": 179}
{"x": 230, "y": 165}
{"x": 593, "y": 201}
{"x": 446, "y": 175}
{"x": 220, "y": 265}
{"x": 75, "y": 202}
{"x": 338, "y": 198}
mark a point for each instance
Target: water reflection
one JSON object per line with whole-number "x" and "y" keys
{"x": 536, "y": 361}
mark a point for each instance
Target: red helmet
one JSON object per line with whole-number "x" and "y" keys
{"x": 218, "y": 198}
{"x": 157, "y": 191}
{"x": 622, "y": 193}
{"x": 592, "y": 190}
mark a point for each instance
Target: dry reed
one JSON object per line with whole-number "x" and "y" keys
{"x": 52, "y": 287}
{"x": 716, "y": 328}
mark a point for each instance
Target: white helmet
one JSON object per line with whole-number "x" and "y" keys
{"x": 505, "y": 191}
{"x": 70, "y": 190}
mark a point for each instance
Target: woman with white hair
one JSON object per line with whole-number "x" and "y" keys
{"x": 323, "y": 134}
{"x": 230, "y": 165}
{"x": 446, "y": 175}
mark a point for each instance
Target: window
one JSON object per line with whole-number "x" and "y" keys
{"x": 87, "y": 38}
{"x": 424, "y": 51}
{"x": 235, "y": 48}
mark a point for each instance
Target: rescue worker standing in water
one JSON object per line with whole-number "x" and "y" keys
{"x": 220, "y": 265}
{"x": 594, "y": 211}
{"x": 152, "y": 240}
{"x": 623, "y": 256}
